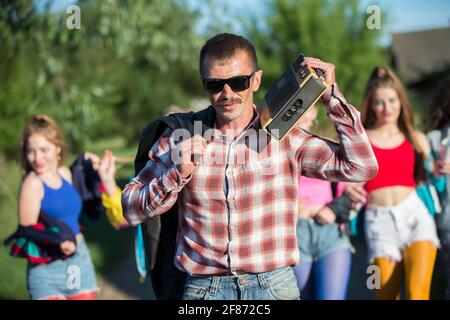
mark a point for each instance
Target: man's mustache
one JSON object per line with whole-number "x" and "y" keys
{"x": 229, "y": 101}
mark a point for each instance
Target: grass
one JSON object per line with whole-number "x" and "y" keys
{"x": 12, "y": 270}
{"x": 106, "y": 244}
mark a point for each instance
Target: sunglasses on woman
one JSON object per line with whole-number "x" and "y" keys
{"x": 238, "y": 83}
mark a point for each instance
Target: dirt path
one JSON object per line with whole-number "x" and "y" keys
{"x": 123, "y": 282}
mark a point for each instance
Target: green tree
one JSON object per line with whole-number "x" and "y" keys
{"x": 129, "y": 60}
{"x": 334, "y": 31}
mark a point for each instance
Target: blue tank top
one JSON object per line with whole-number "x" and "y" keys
{"x": 63, "y": 204}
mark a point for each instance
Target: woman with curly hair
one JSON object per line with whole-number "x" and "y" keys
{"x": 47, "y": 186}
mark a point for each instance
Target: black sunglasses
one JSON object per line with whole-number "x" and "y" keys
{"x": 238, "y": 83}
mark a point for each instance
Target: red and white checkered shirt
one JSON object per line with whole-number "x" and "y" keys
{"x": 238, "y": 212}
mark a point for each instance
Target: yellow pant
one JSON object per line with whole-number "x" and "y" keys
{"x": 418, "y": 263}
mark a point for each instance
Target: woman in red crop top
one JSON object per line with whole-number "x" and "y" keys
{"x": 400, "y": 233}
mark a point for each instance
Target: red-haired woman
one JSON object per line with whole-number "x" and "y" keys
{"x": 47, "y": 186}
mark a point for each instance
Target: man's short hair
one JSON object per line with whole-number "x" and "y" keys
{"x": 225, "y": 45}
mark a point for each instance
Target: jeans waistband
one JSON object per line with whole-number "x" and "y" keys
{"x": 237, "y": 273}
{"x": 234, "y": 273}
{"x": 245, "y": 278}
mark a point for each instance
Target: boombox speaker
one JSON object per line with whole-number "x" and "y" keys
{"x": 298, "y": 88}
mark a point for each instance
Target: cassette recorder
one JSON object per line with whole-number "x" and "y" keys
{"x": 298, "y": 88}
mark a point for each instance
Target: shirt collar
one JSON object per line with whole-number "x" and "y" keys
{"x": 253, "y": 124}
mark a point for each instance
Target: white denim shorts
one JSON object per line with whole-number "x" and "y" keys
{"x": 388, "y": 230}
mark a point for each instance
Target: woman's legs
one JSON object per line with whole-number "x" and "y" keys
{"x": 302, "y": 272}
{"x": 419, "y": 260}
{"x": 390, "y": 273}
{"x": 331, "y": 275}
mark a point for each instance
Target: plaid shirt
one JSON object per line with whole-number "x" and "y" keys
{"x": 238, "y": 212}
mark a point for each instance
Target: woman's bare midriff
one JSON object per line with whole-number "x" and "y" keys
{"x": 308, "y": 212}
{"x": 389, "y": 196}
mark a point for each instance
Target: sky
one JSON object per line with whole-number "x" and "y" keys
{"x": 414, "y": 15}
{"x": 404, "y": 15}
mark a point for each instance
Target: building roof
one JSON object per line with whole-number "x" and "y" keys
{"x": 417, "y": 54}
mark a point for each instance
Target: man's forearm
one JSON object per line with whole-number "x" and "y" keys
{"x": 354, "y": 143}
{"x": 144, "y": 198}
{"x": 350, "y": 160}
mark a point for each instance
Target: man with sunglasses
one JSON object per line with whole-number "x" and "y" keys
{"x": 237, "y": 219}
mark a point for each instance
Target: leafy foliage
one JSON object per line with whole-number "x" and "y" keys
{"x": 334, "y": 31}
{"x": 129, "y": 60}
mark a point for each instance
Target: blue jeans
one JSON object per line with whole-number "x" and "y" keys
{"x": 316, "y": 241}
{"x": 279, "y": 284}
{"x": 62, "y": 278}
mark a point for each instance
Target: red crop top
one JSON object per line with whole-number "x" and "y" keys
{"x": 396, "y": 167}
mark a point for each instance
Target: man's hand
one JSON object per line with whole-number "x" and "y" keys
{"x": 356, "y": 192}
{"x": 191, "y": 154}
{"x": 326, "y": 68}
{"x": 328, "y": 73}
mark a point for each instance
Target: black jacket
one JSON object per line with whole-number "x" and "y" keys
{"x": 160, "y": 233}
{"x": 45, "y": 237}
{"x": 87, "y": 182}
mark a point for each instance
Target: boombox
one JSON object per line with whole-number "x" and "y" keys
{"x": 298, "y": 88}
